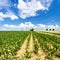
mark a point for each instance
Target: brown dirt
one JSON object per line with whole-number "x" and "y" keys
{"x": 22, "y": 50}
{"x": 34, "y": 57}
{"x": 40, "y": 51}
{"x": 56, "y": 58}
{"x": 43, "y": 54}
{"x": 31, "y": 48}
{"x": 31, "y": 44}
{"x": 50, "y": 34}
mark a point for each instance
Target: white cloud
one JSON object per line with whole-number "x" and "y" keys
{"x": 4, "y": 3}
{"x": 41, "y": 26}
{"x": 1, "y": 19}
{"x": 10, "y": 26}
{"x": 15, "y": 5}
{"x": 29, "y": 8}
{"x": 28, "y": 25}
{"x": 8, "y": 14}
{"x": 53, "y": 26}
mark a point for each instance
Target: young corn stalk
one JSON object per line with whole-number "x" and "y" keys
{"x": 28, "y": 53}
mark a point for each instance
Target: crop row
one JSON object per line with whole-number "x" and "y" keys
{"x": 10, "y": 42}
{"x": 50, "y": 44}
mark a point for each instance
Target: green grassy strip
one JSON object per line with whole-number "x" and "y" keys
{"x": 44, "y": 45}
{"x": 28, "y": 53}
{"x": 10, "y": 42}
{"x": 55, "y": 42}
{"x": 36, "y": 47}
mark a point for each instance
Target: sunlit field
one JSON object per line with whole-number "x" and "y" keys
{"x": 29, "y": 45}
{"x": 29, "y": 29}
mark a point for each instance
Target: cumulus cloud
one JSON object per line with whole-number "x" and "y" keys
{"x": 28, "y": 25}
{"x": 41, "y": 26}
{"x": 29, "y": 8}
{"x": 53, "y": 26}
{"x": 15, "y": 5}
{"x": 4, "y": 3}
{"x": 8, "y": 14}
{"x": 10, "y": 26}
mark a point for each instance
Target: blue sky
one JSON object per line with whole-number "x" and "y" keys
{"x": 26, "y": 14}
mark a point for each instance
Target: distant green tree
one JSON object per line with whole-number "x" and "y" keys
{"x": 53, "y": 29}
{"x": 49, "y": 29}
{"x": 32, "y": 29}
{"x": 46, "y": 29}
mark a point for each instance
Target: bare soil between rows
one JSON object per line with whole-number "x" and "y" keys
{"x": 22, "y": 50}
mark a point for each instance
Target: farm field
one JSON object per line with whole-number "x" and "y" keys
{"x": 29, "y": 45}
{"x": 52, "y": 33}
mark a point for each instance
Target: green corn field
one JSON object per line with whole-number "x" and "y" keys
{"x": 29, "y": 45}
